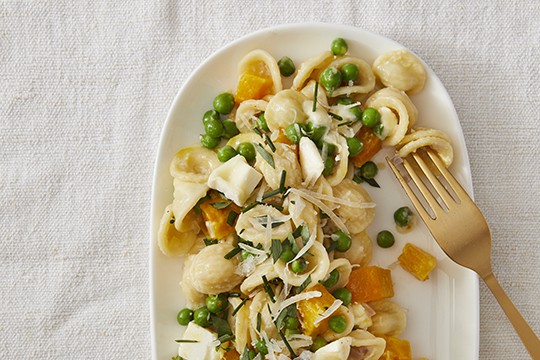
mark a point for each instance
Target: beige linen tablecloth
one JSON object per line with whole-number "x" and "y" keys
{"x": 84, "y": 91}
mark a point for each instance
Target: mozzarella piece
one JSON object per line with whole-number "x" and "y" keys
{"x": 235, "y": 179}
{"x": 310, "y": 160}
{"x": 336, "y": 350}
{"x": 201, "y": 350}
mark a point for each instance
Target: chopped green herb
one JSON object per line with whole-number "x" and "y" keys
{"x": 278, "y": 207}
{"x": 282, "y": 180}
{"x": 271, "y": 193}
{"x": 259, "y": 322}
{"x": 239, "y": 306}
{"x": 335, "y": 116}
{"x": 250, "y": 206}
{"x": 305, "y": 234}
{"x": 332, "y": 247}
{"x": 209, "y": 242}
{"x": 315, "y": 93}
{"x": 220, "y": 204}
{"x": 220, "y": 326}
{"x": 268, "y": 289}
{"x": 298, "y": 231}
{"x": 257, "y": 131}
{"x": 293, "y": 354}
{"x": 276, "y": 249}
{"x": 304, "y": 285}
{"x": 232, "y": 253}
{"x": 372, "y": 182}
{"x": 234, "y": 294}
{"x": 197, "y": 207}
{"x": 231, "y": 218}
{"x": 186, "y": 341}
{"x": 345, "y": 123}
{"x": 269, "y": 142}
{"x": 265, "y": 155}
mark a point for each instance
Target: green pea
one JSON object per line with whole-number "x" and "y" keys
{"x": 291, "y": 323}
{"x": 332, "y": 279}
{"x": 230, "y": 128}
{"x": 315, "y": 132}
{"x": 318, "y": 343}
{"x": 294, "y": 132}
{"x": 349, "y": 72}
{"x": 184, "y": 316}
{"x": 329, "y": 163}
{"x": 344, "y": 101}
{"x": 286, "y": 66}
{"x": 343, "y": 295}
{"x": 385, "y": 239}
{"x": 339, "y": 47}
{"x": 262, "y": 123}
{"x": 343, "y": 241}
{"x": 330, "y": 78}
{"x": 247, "y": 150}
{"x": 260, "y": 345}
{"x": 330, "y": 148}
{"x": 286, "y": 254}
{"x": 337, "y": 324}
{"x": 357, "y": 113}
{"x": 210, "y": 115}
{"x": 208, "y": 141}
{"x": 355, "y": 145}
{"x": 371, "y": 117}
{"x": 225, "y": 153}
{"x": 251, "y": 354}
{"x": 214, "y": 128}
{"x": 402, "y": 216}
{"x": 369, "y": 170}
{"x": 224, "y": 103}
{"x": 299, "y": 266}
{"x": 291, "y": 332}
{"x": 201, "y": 317}
{"x": 216, "y": 303}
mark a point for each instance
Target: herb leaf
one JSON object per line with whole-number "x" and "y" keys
{"x": 220, "y": 204}
{"x": 372, "y": 182}
{"x": 315, "y": 93}
{"x": 232, "y": 253}
{"x": 282, "y": 180}
{"x": 265, "y": 155}
{"x": 250, "y": 206}
{"x": 239, "y": 306}
{"x": 186, "y": 341}
{"x": 268, "y": 289}
{"x": 231, "y": 218}
{"x": 304, "y": 285}
{"x": 209, "y": 242}
{"x": 276, "y": 249}
{"x": 335, "y": 116}
{"x": 220, "y": 326}
{"x": 259, "y": 320}
{"x": 268, "y": 141}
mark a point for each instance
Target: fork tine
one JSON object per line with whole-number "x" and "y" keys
{"x": 410, "y": 193}
{"x": 439, "y": 188}
{"x": 426, "y": 193}
{"x": 454, "y": 184}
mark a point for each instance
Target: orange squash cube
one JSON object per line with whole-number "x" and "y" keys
{"x": 231, "y": 355}
{"x": 216, "y": 218}
{"x": 396, "y": 349}
{"x": 370, "y": 283}
{"x": 310, "y": 309}
{"x": 417, "y": 261}
{"x": 252, "y": 86}
{"x": 372, "y": 145}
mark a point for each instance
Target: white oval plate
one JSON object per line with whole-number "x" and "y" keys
{"x": 443, "y": 312}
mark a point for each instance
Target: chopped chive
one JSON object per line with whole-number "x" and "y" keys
{"x": 298, "y": 231}
{"x": 332, "y": 247}
{"x": 372, "y": 182}
{"x": 358, "y": 179}
{"x": 335, "y": 116}
{"x": 237, "y": 309}
{"x": 225, "y": 338}
{"x": 257, "y": 131}
{"x": 265, "y": 155}
{"x": 282, "y": 180}
{"x": 315, "y": 93}
{"x": 234, "y": 294}
{"x": 241, "y": 231}
{"x": 209, "y": 242}
{"x": 293, "y": 354}
{"x": 247, "y": 242}
{"x": 305, "y": 234}
{"x": 268, "y": 289}
{"x": 276, "y": 249}
{"x": 220, "y": 204}
{"x": 271, "y": 193}
{"x": 250, "y": 206}
{"x": 186, "y": 341}
{"x": 304, "y": 285}
{"x": 269, "y": 142}
{"x": 232, "y": 253}
{"x": 259, "y": 322}
{"x": 345, "y": 123}
{"x": 231, "y": 218}
{"x": 280, "y": 208}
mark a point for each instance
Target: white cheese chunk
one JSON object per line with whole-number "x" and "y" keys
{"x": 318, "y": 117}
{"x": 203, "y": 349}
{"x": 310, "y": 160}
{"x": 235, "y": 179}
{"x": 336, "y": 350}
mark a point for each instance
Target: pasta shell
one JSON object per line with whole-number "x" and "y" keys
{"x": 330, "y": 335}
{"x": 211, "y": 273}
{"x": 261, "y": 62}
{"x": 309, "y": 92}
{"x": 390, "y": 319}
{"x": 253, "y": 225}
{"x": 240, "y": 322}
{"x": 185, "y": 197}
{"x": 356, "y": 219}
{"x": 314, "y": 64}
{"x": 401, "y": 70}
{"x": 435, "y": 139}
{"x": 193, "y": 164}
{"x": 254, "y": 280}
{"x": 344, "y": 268}
{"x": 284, "y": 159}
{"x": 303, "y": 212}
{"x": 284, "y": 109}
{"x": 362, "y": 319}
{"x": 318, "y": 265}
{"x": 399, "y": 103}
{"x": 172, "y": 242}
{"x": 194, "y": 298}
{"x": 342, "y": 158}
{"x": 245, "y": 116}
{"x": 365, "y": 82}
{"x": 360, "y": 251}
{"x": 366, "y": 345}
{"x": 259, "y": 305}
{"x": 249, "y": 137}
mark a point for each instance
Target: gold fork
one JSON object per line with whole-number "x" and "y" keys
{"x": 458, "y": 226}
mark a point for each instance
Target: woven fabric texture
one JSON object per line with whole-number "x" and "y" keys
{"x": 85, "y": 87}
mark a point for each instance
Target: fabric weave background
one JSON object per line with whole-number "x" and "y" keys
{"x": 85, "y": 87}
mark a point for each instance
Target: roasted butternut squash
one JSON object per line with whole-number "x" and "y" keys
{"x": 252, "y": 86}
{"x": 309, "y": 310}
{"x": 417, "y": 261}
{"x": 370, "y": 283}
{"x": 396, "y": 349}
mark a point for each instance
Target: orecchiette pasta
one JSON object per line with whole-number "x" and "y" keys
{"x": 275, "y": 223}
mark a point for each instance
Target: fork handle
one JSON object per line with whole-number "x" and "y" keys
{"x": 527, "y": 335}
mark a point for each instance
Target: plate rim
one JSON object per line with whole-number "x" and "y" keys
{"x": 468, "y": 185}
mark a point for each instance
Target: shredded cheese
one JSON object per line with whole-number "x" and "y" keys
{"x": 296, "y": 298}
{"x": 358, "y": 205}
{"x": 306, "y": 247}
{"x": 252, "y": 249}
{"x": 337, "y": 303}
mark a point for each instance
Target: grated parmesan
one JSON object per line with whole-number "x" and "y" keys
{"x": 337, "y": 303}
{"x": 296, "y": 298}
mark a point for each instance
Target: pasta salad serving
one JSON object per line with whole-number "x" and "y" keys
{"x": 270, "y": 210}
